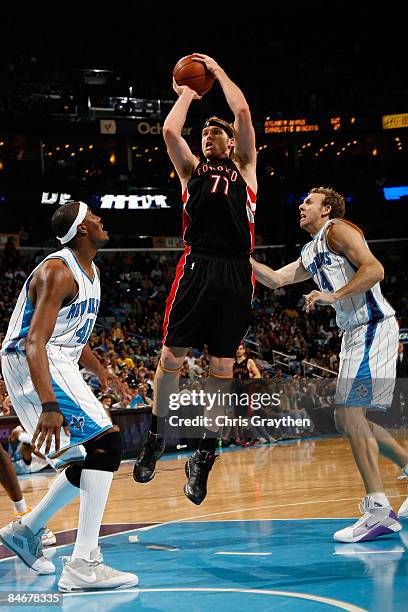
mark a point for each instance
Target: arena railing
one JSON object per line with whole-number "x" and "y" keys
{"x": 308, "y": 370}
{"x": 282, "y": 359}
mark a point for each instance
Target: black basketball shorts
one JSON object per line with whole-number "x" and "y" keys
{"x": 209, "y": 303}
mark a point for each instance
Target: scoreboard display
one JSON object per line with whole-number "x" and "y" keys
{"x": 299, "y": 125}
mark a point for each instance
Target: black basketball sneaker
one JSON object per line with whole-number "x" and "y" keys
{"x": 145, "y": 466}
{"x": 197, "y": 469}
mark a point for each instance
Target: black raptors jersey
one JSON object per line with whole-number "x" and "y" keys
{"x": 219, "y": 210}
{"x": 240, "y": 369}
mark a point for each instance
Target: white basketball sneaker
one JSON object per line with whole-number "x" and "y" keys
{"x": 403, "y": 511}
{"x": 92, "y": 575}
{"x": 376, "y": 521}
{"x": 48, "y": 537}
{"x": 27, "y": 545}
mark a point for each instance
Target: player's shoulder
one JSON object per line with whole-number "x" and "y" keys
{"x": 53, "y": 268}
{"x": 339, "y": 231}
{"x": 342, "y": 226}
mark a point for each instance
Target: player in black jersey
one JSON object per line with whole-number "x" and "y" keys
{"x": 210, "y": 300}
{"x": 244, "y": 367}
{"x": 244, "y": 370}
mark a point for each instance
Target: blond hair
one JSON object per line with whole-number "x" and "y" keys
{"x": 333, "y": 199}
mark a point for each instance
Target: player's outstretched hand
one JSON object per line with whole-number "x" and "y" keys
{"x": 49, "y": 427}
{"x": 318, "y": 297}
{"x": 209, "y": 62}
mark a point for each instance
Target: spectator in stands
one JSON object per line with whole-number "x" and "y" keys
{"x": 117, "y": 332}
{"x": 125, "y": 360}
{"x": 141, "y": 398}
{"x": 290, "y": 408}
{"x": 402, "y": 362}
{"x": 10, "y": 253}
{"x": 6, "y": 406}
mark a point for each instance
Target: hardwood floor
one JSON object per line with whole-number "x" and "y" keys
{"x": 311, "y": 478}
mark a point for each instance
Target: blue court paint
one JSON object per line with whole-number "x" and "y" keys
{"x": 306, "y": 570}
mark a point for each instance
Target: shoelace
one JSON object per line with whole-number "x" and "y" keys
{"x": 363, "y": 507}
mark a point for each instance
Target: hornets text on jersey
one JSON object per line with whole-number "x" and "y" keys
{"x": 331, "y": 271}
{"x": 75, "y": 321}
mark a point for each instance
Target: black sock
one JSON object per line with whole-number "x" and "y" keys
{"x": 208, "y": 442}
{"x": 158, "y": 425}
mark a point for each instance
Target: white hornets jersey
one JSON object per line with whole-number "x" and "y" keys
{"x": 75, "y": 321}
{"x": 331, "y": 271}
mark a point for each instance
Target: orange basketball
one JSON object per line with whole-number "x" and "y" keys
{"x": 194, "y": 74}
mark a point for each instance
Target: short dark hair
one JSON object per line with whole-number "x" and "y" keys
{"x": 334, "y": 199}
{"x": 64, "y": 217}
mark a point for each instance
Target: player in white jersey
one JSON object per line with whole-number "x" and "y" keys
{"x": 46, "y": 339}
{"x": 348, "y": 276}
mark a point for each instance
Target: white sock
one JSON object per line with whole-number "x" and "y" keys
{"x": 94, "y": 491}
{"x": 20, "y": 506}
{"x": 380, "y": 498}
{"x": 59, "y": 495}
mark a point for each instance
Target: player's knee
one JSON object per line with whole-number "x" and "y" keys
{"x": 169, "y": 361}
{"x": 73, "y": 473}
{"x": 105, "y": 453}
{"x": 349, "y": 421}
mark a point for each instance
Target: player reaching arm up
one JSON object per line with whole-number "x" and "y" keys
{"x": 242, "y": 135}
{"x": 210, "y": 300}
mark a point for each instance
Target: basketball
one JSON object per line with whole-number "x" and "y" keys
{"x": 194, "y": 74}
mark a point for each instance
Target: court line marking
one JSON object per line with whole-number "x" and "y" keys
{"x": 248, "y": 554}
{"x": 51, "y": 549}
{"x": 371, "y": 552}
{"x": 311, "y": 518}
{"x": 302, "y": 503}
{"x": 332, "y": 602}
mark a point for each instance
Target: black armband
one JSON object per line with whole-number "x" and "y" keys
{"x": 50, "y": 407}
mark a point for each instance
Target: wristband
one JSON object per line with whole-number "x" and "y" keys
{"x": 50, "y": 407}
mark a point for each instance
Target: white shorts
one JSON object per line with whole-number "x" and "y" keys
{"x": 368, "y": 361}
{"x": 84, "y": 414}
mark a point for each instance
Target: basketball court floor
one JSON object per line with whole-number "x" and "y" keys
{"x": 262, "y": 540}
